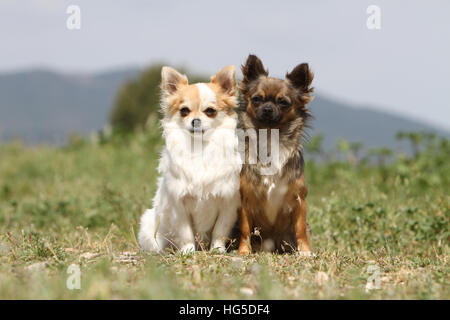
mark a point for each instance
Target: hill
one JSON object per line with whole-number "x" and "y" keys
{"x": 45, "y": 106}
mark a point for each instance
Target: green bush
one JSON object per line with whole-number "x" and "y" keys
{"x": 138, "y": 99}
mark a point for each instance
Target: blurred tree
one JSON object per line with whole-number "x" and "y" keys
{"x": 350, "y": 150}
{"x": 315, "y": 146}
{"x": 382, "y": 155}
{"x": 138, "y": 99}
{"x": 415, "y": 139}
{"x": 343, "y": 146}
{"x": 355, "y": 148}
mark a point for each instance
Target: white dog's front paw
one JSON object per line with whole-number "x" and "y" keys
{"x": 188, "y": 248}
{"x": 218, "y": 245}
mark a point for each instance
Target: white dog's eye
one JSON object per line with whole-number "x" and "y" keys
{"x": 184, "y": 111}
{"x": 210, "y": 112}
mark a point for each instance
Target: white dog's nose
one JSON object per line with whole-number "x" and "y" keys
{"x": 196, "y": 123}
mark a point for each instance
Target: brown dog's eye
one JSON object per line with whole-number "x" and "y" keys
{"x": 284, "y": 103}
{"x": 184, "y": 111}
{"x": 256, "y": 99}
{"x": 210, "y": 112}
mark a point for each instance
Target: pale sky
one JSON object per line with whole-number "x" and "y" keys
{"x": 404, "y": 67}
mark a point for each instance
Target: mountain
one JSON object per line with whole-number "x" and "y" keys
{"x": 44, "y": 106}
{"x": 362, "y": 124}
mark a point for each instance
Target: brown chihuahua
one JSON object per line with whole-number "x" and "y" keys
{"x": 274, "y": 205}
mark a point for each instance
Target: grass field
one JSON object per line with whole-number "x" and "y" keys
{"x": 386, "y": 219}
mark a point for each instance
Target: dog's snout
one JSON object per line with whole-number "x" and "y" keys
{"x": 268, "y": 113}
{"x": 267, "y": 109}
{"x": 196, "y": 123}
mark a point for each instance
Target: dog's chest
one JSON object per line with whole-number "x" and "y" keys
{"x": 203, "y": 213}
{"x": 276, "y": 190}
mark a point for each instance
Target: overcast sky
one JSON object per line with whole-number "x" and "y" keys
{"x": 404, "y": 67}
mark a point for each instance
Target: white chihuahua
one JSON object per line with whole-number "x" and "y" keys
{"x": 198, "y": 191}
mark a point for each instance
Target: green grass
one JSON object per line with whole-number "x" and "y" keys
{"x": 81, "y": 204}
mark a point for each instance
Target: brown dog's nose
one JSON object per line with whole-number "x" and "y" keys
{"x": 267, "y": 110}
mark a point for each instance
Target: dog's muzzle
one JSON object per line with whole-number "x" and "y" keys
{"x": 268, "y": 113}
{"x": 196, "y": 125}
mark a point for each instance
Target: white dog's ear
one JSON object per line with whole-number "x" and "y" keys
{"x": 171, "y": 80}
{"x": 226, "y": 80}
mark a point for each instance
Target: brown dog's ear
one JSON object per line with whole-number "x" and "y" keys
{"x": 301, "y": 77}
{"x": 226, "y": 80}
{"x": 171, "y": 80}
{"x": 252, "y": 69}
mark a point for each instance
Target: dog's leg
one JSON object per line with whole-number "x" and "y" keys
{"x": 185, "y": 235}
{"x": 246, "y": 229}
{"x": 299, "y": 220}
{"x": 225, "y": 222}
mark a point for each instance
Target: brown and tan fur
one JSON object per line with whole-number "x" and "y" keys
{"x": 270, "y": 103}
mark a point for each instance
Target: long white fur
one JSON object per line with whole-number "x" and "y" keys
{"x": 195, "y": 197}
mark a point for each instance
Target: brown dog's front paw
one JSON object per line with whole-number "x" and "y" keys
{"x": 306, "y": 253}
{"x": 244, "y": 250}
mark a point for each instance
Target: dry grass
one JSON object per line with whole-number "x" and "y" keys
{"x": 80, "y": 205}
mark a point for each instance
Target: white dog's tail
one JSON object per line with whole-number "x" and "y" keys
{"x": 148, "y": 238}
